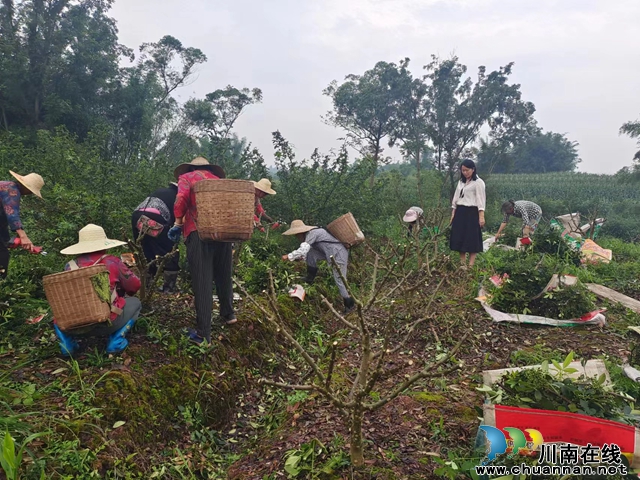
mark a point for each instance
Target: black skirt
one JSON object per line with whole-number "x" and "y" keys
{"x": 466, "y": 234}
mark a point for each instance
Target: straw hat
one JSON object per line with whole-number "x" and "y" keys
{"x": 91, "y": 239}
{"x": 264, "y": 185}
{"x": 298, "y": 226}
{"x": 199, "y": 162}
{"x": 33, "y": 182}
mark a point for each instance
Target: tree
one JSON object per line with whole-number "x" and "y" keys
{"x": 216, "y": 114}
{"x": 459, "y": 109}
{"x": 632, "y": 129}
{"x": 541, "y": 153}
{"x": 58, "y": 59}
{"x": 370, "y": 371}
{"x": 157, "y": 59}
{"x": 366, "y": 106}
{"x": 411, "y": 127}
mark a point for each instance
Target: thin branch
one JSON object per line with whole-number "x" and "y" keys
{"x": 332, "y": 362}
{"x": 337, "y": 314}
{"x": 285, "y": 332}
{"x": 427, "y": 372}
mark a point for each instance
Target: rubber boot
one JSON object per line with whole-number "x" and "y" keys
{"x": 311, "y": 274}
{"x": 170, "y": 280}
{"x": 349, "y": 305}
{"x": 117, "y": 340}
{"x": 68, "y": 344}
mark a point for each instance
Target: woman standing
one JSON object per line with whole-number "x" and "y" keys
{"x": 467, "y": 217}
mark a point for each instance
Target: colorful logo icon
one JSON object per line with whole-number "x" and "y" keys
{"x": 516, "y": 444}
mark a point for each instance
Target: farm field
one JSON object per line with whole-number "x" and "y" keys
{"x": 168, "y": 409}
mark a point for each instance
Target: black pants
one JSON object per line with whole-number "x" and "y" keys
{"x": 156, "y": 246}
{"x": 209, "y": 262}
{"x": 4, "y": 240}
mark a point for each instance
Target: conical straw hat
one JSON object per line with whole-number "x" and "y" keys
{"x": 33, "y": 182}
{"x": 298, "y": 226}
{"x": 264, "y": 185}
{"x": 91, "y": 239}
{"x": 199, "y": 162}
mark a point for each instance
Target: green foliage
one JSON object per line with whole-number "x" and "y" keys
{"x": 539, "y": 153}
{"x": 528, "y": 274}
{"x": 537, "y": 388}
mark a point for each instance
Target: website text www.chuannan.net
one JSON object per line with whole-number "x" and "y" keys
{"x": 501, "y": 470}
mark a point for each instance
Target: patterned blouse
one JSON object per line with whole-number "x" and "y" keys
{"x": 10, "y": 199}
{"x": 529, "y": 212}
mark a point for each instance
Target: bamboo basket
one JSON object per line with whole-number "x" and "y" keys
{"x": 346, "y": 230}
{"x": 225, "y": 209}
{"x": 73, "y": 300}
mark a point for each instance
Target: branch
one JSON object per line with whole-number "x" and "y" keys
{"x": 427, "y": 372}
{"x": 285, "y": 332}
{"x": 337, "y": 314}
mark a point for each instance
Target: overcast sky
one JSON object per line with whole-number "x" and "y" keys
{"x": 578, "y": 61}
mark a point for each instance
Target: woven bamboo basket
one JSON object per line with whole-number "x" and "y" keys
{"x": 346, "y": 230}
{"x": 225, "y": 209}
{"x": 73, "y": 300}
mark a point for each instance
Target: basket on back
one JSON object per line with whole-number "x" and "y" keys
{"x": 225, "y": 209}
{"x": 346, "y": 230}
{"x": 73, "y": 298}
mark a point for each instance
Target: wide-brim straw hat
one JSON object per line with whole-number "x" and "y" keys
{"x": 410, "y": 216}
{"x": 298, "y": 226}
{"x": 33, "y": 182}
{"x": 264, "y": 185}
{"x": 199, "y": 162}
{"x": 91, "y": 238}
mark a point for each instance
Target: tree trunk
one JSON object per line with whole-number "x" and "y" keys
{"x": 418, "y": 177}
{"x": 356, "y": 449}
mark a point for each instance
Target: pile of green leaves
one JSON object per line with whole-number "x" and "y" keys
{"x": 549, "y": 241}
{"x": 528, "y": 274}
{"x": 537, "y": 388}
{"x": 100, "y": 283}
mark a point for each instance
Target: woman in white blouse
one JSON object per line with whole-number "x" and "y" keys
{"x": 467, "y": 216}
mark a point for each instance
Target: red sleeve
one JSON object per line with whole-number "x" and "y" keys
{"x": 182, "y": 198}
{"x": 260, "y": 209}
{"x": 128, "y": 280}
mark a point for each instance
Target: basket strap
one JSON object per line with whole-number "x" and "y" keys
{"x": 73, "y": 265}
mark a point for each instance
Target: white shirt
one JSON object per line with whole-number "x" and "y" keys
{"x": 470, "y": 194}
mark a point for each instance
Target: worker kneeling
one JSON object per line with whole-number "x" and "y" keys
{"x": 90, "y": 250}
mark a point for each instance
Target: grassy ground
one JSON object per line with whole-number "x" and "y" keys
{"x": 169, "y": 409}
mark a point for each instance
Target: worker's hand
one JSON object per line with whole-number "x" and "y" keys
{"x": 481, "y": 221}
{"x": 25, "y": 242}
{"x": 175, "y": 233}
{"x": 285, "y": 257}
{"x": 275, "y": 225}
{"x": 525, "y": 241}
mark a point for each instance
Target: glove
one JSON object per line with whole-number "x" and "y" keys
{"x": 175, "y": 233}
{"x": 525, "y": 241}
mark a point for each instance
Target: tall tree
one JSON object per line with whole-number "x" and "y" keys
{"x": 58, "y": 60}
{"x": 216, "y": 114}
{"x": 411, "y": 130}
{"x": 632, "y": 129}
{"x": 459, "y": 109}
{"x": 366, "y": 106}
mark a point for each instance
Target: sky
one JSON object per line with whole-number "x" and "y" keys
{"x": 578, "y": 61}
